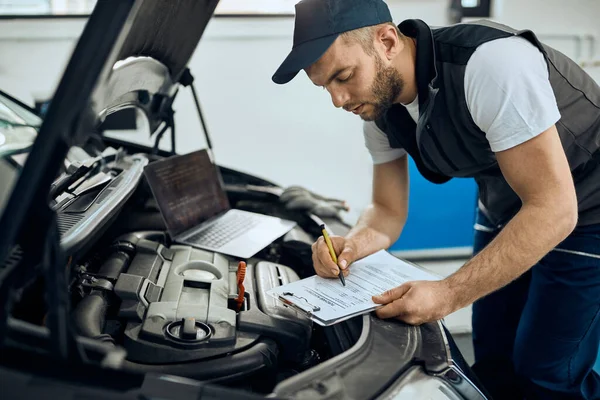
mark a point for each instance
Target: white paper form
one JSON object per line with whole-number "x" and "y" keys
{"x": 328, "y": 300}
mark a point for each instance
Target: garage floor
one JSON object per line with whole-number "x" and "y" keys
{"x": 465, "y": 345}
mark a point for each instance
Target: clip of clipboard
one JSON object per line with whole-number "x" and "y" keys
{"x": 312, "y": 308}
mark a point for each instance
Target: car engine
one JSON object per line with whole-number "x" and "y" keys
{"x": 173, "y": 308}
{"x": 177, "y": 309}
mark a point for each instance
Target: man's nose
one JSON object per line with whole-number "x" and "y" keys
{"x": 338, "y": 97}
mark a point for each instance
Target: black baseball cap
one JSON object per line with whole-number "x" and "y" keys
{"x": 319, "y": 22}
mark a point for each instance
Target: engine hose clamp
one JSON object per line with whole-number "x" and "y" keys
{"x": 89, "y": 281}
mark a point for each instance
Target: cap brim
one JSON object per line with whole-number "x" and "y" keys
{"x": 301, "y": 57}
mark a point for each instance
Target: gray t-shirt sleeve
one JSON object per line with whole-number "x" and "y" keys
{"x": 378, "y": 145}
{"x": 508, "y": 92}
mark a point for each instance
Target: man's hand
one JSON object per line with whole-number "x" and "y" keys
{"x": 345, "y": 251}
{"x": 416, "y": 302}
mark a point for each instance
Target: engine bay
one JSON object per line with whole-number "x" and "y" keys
{"x": 173, "y": 308}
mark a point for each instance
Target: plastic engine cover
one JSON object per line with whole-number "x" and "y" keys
{"x": 177, "y": 304}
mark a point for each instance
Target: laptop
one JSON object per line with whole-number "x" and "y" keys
{"x": 192, "y": 201}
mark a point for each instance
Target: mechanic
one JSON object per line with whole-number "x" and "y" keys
{"x": 485, "y": 101}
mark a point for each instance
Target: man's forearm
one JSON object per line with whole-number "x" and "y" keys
{"x": 377, "y": 228}
{"x": 527, "y": 238}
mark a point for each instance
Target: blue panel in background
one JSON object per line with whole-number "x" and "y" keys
{"x": 439, "y": 216}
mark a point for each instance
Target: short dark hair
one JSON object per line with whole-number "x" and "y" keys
{"x": 364, "y": 36}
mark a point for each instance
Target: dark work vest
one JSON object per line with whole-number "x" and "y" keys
{"x": 446, "y": 143}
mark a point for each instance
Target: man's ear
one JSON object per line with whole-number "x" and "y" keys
{"x": 387, "y": 38}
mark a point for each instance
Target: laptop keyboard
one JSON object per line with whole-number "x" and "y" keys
{"x": 227, "y": 228}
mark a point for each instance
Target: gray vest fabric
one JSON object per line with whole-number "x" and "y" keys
{"x": 446, "y": 143}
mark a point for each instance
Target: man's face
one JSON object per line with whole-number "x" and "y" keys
{"x": 359, "y": 82}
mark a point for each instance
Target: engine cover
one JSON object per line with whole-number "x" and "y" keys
{"x": 177, "y": 304}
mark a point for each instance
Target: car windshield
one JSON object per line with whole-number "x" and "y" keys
{"x": 18, "y": 130}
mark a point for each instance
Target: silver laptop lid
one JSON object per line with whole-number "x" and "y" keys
{"x": 188, "y": 190}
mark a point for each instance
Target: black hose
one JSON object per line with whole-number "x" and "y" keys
{"x": 114, "y": 265}
{"x": 89, "y": 315}
{"x": 260, "y": 356}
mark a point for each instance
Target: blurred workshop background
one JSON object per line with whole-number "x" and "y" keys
{"x": 292, "y": 134}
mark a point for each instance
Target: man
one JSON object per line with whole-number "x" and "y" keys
{"x": 485, "y": 101}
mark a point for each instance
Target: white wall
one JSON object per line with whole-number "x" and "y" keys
{"x": 556, "y": 22}
{"x": 550, "y": 16}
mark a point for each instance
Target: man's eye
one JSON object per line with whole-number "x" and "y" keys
{"x": 344, "y": 78}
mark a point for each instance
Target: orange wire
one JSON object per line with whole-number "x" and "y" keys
{"x": 241, "y": 275}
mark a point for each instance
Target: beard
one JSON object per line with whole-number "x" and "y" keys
{"x": 386, "y": 87}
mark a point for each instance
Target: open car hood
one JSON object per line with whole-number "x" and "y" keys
{"x": 153, "y": 57}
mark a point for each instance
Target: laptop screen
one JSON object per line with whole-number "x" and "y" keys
{"x": 188, "y": 190}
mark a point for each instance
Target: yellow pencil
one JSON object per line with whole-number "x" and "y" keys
{"x": 332, "y": 253}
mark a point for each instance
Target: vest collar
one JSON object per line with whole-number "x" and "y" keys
{"x": 425, "y": 66}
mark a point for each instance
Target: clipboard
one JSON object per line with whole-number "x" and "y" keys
{"x": 301, "y": 305}
{"x": 326, "y": 302}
